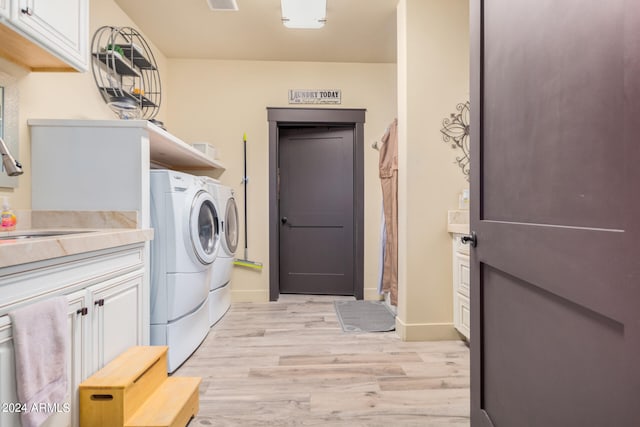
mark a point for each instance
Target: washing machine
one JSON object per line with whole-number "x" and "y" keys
{"x": 220, "y": 287}
{"x": 186, "y": 242}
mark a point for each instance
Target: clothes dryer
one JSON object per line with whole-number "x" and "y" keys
{"x": 230, "y": 230}
{"x": 220, "y": 288}
{"x": 186, "y": 243}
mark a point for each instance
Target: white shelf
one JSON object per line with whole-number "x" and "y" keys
{"x": 172, "y": 152}
{"x": 165, "y": 149}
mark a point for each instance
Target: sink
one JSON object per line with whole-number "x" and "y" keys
{"x": 38, "y": 234}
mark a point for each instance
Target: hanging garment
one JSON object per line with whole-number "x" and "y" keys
{"x": 383, "y": 242}
{"x": 389, "y": 180}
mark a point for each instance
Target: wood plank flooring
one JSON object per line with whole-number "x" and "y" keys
{"x": 288, "y": 363}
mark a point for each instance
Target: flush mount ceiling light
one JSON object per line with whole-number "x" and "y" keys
{"x": 223, "y": 4}
{"x": 304, "y": 13}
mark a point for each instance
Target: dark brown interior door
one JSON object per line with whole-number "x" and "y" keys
{"x": 555, "y": 101}
{"x": 316, "y": 210}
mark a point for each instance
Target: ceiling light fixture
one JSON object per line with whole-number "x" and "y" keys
{"x": 304, "y": 13}
{"x": 223, "y": 5}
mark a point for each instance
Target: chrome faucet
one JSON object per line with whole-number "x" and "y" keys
{"x": 11, "y": 165}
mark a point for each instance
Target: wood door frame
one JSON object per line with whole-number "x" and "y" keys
{"x": 278, "y": 117}
{"x": 476, "y": 28}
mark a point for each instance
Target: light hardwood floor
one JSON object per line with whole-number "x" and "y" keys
{"x": 288, "y": 363}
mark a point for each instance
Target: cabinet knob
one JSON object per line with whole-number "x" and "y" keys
{"x": 470, "y": 238}
{"x": 83, "y": 311}
{"x": 99, "y": 302}
{"x": 27, "y": 11}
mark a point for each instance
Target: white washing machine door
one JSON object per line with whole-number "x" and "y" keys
{"x": 204, "y": 227}
{"x": 231, "y": 226}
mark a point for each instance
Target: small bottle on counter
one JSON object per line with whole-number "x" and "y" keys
{"x": 463, "y": 199}
{"x": 8, "y": 217}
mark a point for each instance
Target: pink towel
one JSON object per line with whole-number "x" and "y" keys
{"x": 41, "y": 337}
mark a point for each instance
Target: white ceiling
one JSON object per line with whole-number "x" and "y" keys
{"x": 356, "y": 31}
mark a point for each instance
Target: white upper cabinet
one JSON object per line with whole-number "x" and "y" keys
{"x": 46, "y": 34}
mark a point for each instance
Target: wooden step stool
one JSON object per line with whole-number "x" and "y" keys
{"x": 133, "y": 390}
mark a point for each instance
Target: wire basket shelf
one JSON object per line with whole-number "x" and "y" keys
{"x": 126, "y": 73}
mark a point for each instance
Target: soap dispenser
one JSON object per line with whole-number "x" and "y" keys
{"x": 8, "y": 217}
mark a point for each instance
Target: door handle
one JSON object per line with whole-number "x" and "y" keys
{"x": 284, "y": 220}
{"x": 470, "y": 238}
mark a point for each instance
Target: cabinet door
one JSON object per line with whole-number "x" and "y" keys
{"x": 77, "y": 363}
{"x": 462, "y": 273}
{"x": 116, "y": 317}
{"x": 59, "y": 25}
{"x": 7, "y": 374}
{"x": 68, "y": 414}
{"x": 4, "y": 9}
{"x": 461, "y": 316}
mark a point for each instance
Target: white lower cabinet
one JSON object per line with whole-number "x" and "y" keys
{"x": 116, "y": 320}
{"x": 104, "y": 319}
{"x": 76, "y": 367}
{"x": 5, "y": 12}
{"x": 77, "y": 363}
{"x": 461, "y": 306}
{"x": 8, "y": 416}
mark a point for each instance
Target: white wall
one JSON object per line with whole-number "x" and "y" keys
{"x": 433, "y": 77}
{"x": 218, "y": 101}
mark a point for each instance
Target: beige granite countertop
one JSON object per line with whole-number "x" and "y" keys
{"x": 83, "y": 232}
{"x": 458, "y": 221}
{"x": 76, "y": 241}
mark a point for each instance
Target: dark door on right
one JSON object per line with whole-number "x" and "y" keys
{"x": 555, "y": 284}
{"x": 316, "y": 205}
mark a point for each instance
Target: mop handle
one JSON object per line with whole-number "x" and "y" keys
{"x": 245, "y": 180}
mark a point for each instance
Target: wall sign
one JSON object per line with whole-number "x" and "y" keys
{"x": 313, "y": 96}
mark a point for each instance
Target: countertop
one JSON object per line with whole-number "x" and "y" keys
{"x": 84, "y": 231}
{"x": 458, "y": 221}
{"x": 76, "y": 241}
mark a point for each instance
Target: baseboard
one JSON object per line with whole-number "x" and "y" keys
{"x": 426, "y": 331}
{"x": 256, "y": 295}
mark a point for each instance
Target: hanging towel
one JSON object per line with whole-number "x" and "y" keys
{"x": 40, "y": 337}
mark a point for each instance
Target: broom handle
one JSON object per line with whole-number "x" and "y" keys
{"x": 246, "y": 180}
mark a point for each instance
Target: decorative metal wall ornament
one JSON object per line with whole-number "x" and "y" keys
{"x": 126, "y": 72}
{"x": 455, "y": 131}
